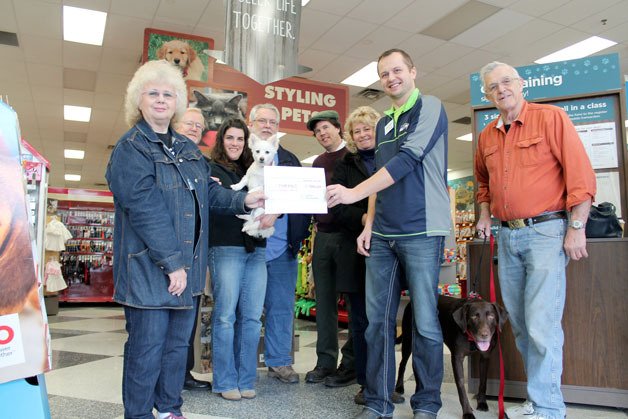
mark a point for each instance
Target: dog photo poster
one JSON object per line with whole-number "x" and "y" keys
{"x": 186, "y": 52}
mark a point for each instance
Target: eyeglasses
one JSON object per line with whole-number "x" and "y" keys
{"x": 154, "y": 94}
{"x": 506, "y": 82}
{"x": 264, "y": 121}
{"x": 191, "y": 124}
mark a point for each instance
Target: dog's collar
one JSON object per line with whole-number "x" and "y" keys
{"x": 185, "y": 72}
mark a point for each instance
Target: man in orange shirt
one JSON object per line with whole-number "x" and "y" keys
{"x": 535, "y": 177}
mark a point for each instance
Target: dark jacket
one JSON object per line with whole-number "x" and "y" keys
{"x": 157, "y": 196}
{"x": 350, "y": 172}
{"x": 298, "y": 224}
{"x": 226, "y": 230}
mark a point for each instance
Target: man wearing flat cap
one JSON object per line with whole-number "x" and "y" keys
{"x": 325, "y": 264}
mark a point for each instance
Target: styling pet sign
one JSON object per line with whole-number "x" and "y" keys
{"x": 186, "y": 52}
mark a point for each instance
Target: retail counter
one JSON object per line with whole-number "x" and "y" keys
{"x": 595, "y": 322}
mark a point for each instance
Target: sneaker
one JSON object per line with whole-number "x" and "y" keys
{"x": 522, "y": 411}
{"x": 284, "y": 374}
{"x": 318, "y": 374}
{"x": 341, "y": 378}
{"x": 233, "y": 395}
{"x": 173, "y": 416}
{"x": 248, "y": 394}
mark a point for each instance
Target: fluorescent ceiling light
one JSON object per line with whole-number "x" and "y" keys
{"x": 72, "y": 178}
{"x": 466, "y": 137}
{"x": 364, "y": 77}
{"x": 304, "y": 2}
{"x": 73, "y": 154}
{"x": 76, "y": 113}
{"x": 310, "y": 159}
{"x": 83, "y": 25}
{"x": 578, "y": 50}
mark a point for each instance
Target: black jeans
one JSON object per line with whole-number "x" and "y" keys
{"x": 358, "y": 323}
{"x": 325, "y": 260}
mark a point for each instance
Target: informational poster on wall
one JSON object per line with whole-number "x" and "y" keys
{"x": 594, "y": 119}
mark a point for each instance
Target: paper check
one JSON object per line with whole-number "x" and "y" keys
{"x": 295, "y": 190}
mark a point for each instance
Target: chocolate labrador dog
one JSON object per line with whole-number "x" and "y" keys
{"x": 468, "y": 326}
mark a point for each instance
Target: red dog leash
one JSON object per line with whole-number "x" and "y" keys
{"x": 493, "y": 299}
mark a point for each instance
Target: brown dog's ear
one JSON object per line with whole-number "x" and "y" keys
{"x": 161, "y": 52}
{"x": 191, "y": 54}
{"x": 502, "y": 315}
{"x": 460, "y": 317}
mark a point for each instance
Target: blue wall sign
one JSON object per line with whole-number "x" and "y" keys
{"x": 566, "y": 78}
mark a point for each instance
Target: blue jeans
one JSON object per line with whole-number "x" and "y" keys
{"x": 279, "y": 309}
{"x": 155, "y": 355}
{"x": 420, "y": 258}
{"x": 238, "y": 284}
{"x": 532, "y": 277}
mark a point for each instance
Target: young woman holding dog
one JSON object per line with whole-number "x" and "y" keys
{"x": 162, "y": 194}
{"x": 238, "y": 271}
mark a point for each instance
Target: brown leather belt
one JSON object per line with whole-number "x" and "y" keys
{"x": 527, "y": 222}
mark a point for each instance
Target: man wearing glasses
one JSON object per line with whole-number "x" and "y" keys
{"x": 191, "y": 125}
{"x": 535, "y": 177}
{"x": 281, "y": 260}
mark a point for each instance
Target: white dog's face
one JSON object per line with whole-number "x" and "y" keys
{"x": 263, "y": 150}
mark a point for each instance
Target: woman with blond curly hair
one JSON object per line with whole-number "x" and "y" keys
{"x": 162, "y": 194}
{"x": 357, "y": 165}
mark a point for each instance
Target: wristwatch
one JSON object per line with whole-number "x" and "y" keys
{"x": 576, "y": 224}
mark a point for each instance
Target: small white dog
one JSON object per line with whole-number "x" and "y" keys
{"x": 263, "y": 155}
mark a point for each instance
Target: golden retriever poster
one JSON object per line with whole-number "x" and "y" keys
{"x": 23, "y": 328}
{"x": 186, "y": 52}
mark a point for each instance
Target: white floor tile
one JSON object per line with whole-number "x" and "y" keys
{"x": 99, "y": 380}
{"x": 111, "y": 344}
{"x": 91, "y": 325}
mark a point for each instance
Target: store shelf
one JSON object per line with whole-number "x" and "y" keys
{"x": 90, "y": 253}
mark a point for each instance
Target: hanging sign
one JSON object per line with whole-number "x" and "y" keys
{"x": 262, "y": 38}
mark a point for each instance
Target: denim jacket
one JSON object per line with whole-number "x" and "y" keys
{"x": 156, "y": 197}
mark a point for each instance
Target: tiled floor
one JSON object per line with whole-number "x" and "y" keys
{"x": 87, "y": 344}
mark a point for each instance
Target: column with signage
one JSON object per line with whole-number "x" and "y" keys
{"x": 24, "y": 351}
{"x": 590, "y": 91}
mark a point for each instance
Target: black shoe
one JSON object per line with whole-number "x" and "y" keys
{"x": 194, "y": 384}
{"x": 343, "y": 377}
{"x": 318, "y": 374}
{"x": 359, "y": 398}
{"x": 397, "y": 398}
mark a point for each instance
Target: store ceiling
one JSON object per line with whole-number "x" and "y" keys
{"x": 448, "y": 40}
